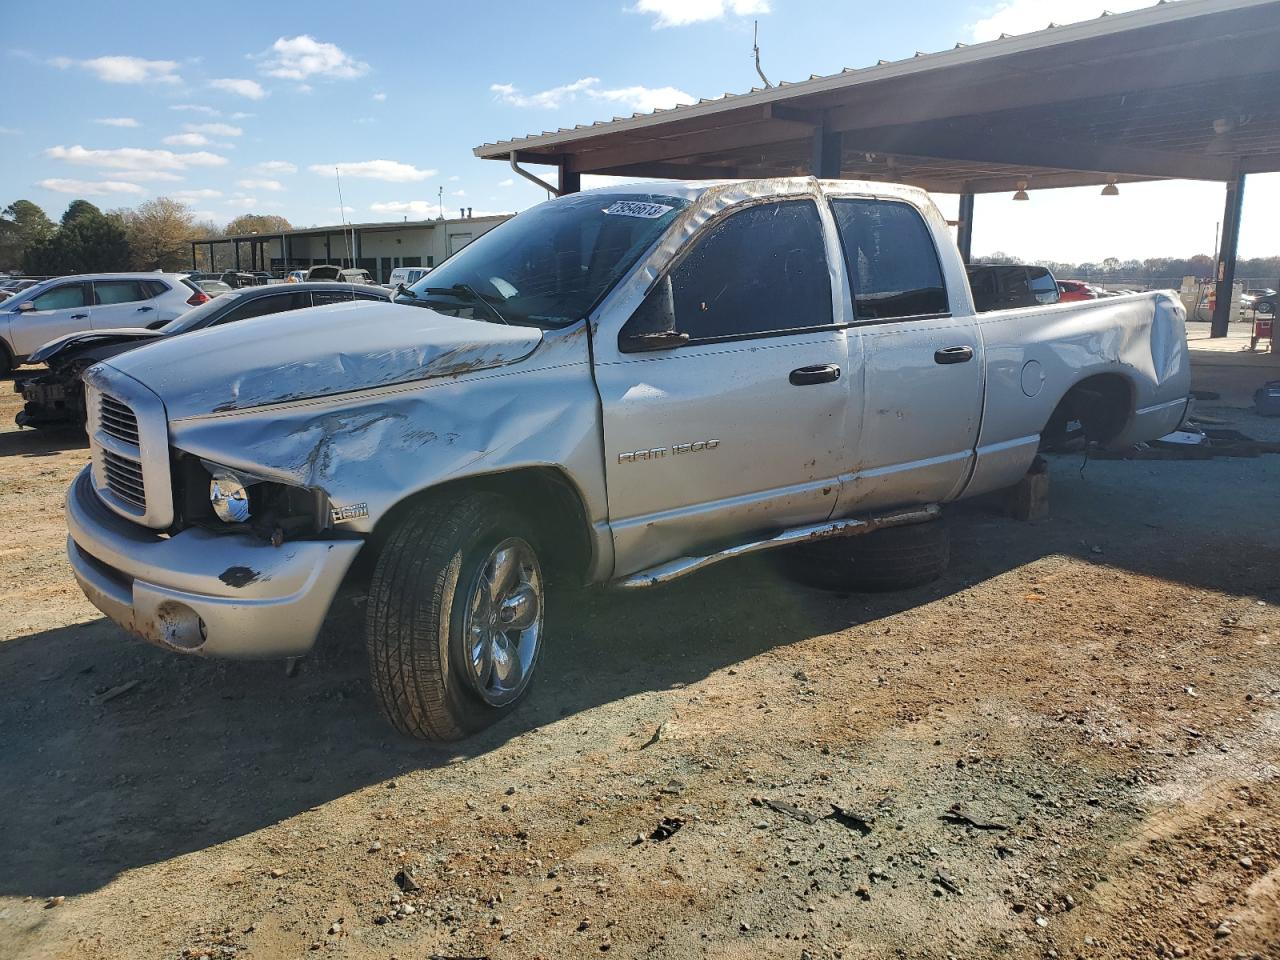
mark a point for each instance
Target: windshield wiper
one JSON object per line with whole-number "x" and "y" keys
{"x": 468, "y": 292}
{"x": 401, "y": 291}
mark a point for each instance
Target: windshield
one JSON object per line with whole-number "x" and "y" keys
{"x": 550, "y": 265}
{"x": 197, "y": 317}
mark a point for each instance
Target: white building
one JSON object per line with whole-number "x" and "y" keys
{"x": 378, "y": 247}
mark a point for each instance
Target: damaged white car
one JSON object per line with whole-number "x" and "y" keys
{"x": 620, "y": 386}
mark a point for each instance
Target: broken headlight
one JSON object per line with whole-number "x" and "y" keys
{"x": 229, "y": 497}
{"x": 222, "y": 498}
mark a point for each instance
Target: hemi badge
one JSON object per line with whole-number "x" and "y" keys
{"x": 354, "y": 512}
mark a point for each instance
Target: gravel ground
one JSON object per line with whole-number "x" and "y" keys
{"x": 1068, "y": 747}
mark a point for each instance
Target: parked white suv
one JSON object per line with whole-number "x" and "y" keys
{"x": 65, "y": 305}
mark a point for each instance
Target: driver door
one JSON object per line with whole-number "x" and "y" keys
{"x": 742, "y": 429}
{"x": 56, "y": 312}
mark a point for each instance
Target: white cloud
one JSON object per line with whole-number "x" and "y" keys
{"x": 240, "y": 115}
{"x": 509, "y": 182}
{"x": 455, "y": 178}
{"x": 546, "y": 99}
{"x": 244, "y": 202}
{"x": 10, "y": 131}
{"x": 135, "y": 158}
{"x": 117, "y": 122}
{"x": 197, "y": 108}
{"x": 189, "y": 196}
{"x": 201, "y": 215}
{"x": 380, "y": 96}
{"x": 391, "y": 171}
{"x": 276, "y": 166}
{"x": 643, "y": 99}
{"x": 1025, "y": 16}
{"x": 214, "y": 129}
{"x": 303, "y": 57}
{"x": 90, "y": 188}
{"x": 419, "y": 208}
{"x": 125, "y": 69}
{"x": 637, "y": 98}
{"x": 260, "y": 184}
{"x": 458, "y": 193}
{"x": 243, "y": 88}
{"x": 681, "y": 13}
{"x": 143, "y": 176}
{"x": 187, "y": 140}
{"x": 342, "y": 211}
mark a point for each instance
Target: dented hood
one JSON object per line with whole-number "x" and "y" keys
{"x": 317, "y": 352}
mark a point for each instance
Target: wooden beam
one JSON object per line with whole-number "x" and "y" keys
{"x": 723, "y": 140}
{"x": 982, "y": 146}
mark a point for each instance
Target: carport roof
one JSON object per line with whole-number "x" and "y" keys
{"x": 1181, "y": 90}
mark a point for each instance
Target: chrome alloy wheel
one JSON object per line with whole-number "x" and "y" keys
{"x": 504, "y": 622}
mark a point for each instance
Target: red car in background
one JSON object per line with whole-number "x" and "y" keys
{"x": 1070, "y": 291}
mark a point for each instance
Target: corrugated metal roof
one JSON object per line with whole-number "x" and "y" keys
{"x": 1107, "y": 23}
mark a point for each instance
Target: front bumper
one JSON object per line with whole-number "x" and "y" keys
{"x": 199, "y": 592}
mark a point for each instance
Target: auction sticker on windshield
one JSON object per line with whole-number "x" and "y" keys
{"x": 636, "y": 208}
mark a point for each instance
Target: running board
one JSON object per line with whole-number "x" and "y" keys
{"x": 674, "y": 569}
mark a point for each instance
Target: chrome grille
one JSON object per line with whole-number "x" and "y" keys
{"x": 124, "y": 478}
{"x": 117, "y": 420}
{"x": 129, "y": 443}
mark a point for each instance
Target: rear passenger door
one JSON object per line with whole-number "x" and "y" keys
{"x": 121, "y": 303}
{"x": 924, "y": 366}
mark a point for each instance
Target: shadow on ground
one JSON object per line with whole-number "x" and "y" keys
{"x": 200, "y": 752}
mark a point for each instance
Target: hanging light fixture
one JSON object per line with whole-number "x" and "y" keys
{"x": 1022, "y": 191}
{"x": 1111, "y": 190}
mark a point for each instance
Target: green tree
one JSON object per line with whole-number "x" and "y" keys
{"x": 22, "y": 225}
{"x": 160, "y": 232}
{"x": 248, "y": 223}
{"x": 88, "y": 241}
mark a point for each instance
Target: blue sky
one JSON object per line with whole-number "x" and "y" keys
{"x": 248, "y": 109}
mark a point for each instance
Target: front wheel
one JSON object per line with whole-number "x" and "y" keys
{"x": 455, "y": 617}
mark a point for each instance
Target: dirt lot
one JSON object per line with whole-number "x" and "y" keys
{"x": 1099, "y": 693}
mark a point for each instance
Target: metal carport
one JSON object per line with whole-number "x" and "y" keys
{"x": 1182, "y": 90}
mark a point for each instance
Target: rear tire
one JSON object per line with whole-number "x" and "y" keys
{"x": 451, "y": 649}
{"x": 897, "y": 558}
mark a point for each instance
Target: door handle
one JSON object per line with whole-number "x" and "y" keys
{"x": 145, "y": 309}
{"x": 79, "y": 316}
{"x": 953, "y": 355}
{"x": 818, "y": 373}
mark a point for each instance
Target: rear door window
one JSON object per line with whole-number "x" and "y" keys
{"x": 108, "y": 292}
{"x": 760, "y": 270}
{"x": 893, "y": 265}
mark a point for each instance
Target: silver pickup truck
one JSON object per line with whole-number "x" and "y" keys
{"x": 621, "y": 387}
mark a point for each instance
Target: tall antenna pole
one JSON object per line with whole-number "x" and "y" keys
{"x": 342, "y": 215}
{"x": 442, "y": 203}
{"x": 755, "y": 48}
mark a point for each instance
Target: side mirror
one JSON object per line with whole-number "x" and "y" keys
{"x": 26, "y": 306}
{"x": 653, "y": 325}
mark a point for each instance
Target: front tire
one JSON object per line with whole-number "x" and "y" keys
{"x": 455, "y": 617}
